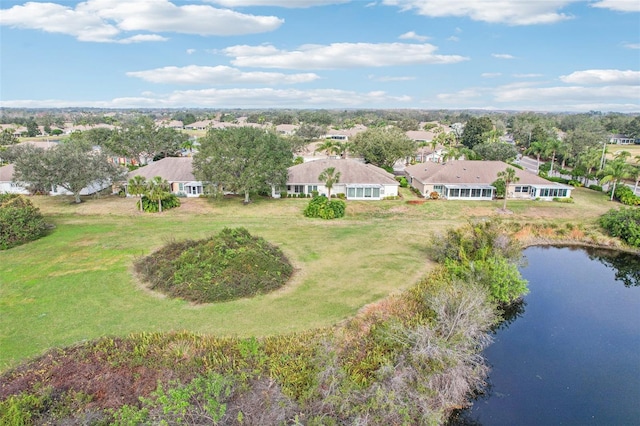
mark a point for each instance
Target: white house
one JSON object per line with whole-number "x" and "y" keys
{"x": 473, "y": 180}
{"x": 358, "y": 181}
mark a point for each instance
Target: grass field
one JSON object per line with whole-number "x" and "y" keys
{"x": 76, "y": 284}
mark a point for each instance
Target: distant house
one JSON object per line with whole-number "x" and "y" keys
{"x": 358, "y": 181}
{"x": 7, "y": 185}
{"x": 473, "y": 180}
{"x": 286, "y": 129}
{"x": 620, "y": 139}
{"x": 178, "y": 171}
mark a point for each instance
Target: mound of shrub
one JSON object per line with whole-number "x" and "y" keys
{"x": 20, "y": 221}
{"x": 623, "y": 224}
{"x": 230, "y": 265}
{"x": 325, "y": 208}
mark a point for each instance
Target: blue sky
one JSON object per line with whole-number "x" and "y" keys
{"x": 540, "y": 55}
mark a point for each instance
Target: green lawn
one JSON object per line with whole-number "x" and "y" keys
{"x": 76, "y": 283}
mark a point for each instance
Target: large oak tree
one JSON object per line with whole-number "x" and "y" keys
{"x": 72, "y": 165}
{"x": 383, "y": 146}
{"x": 243, "y": 159}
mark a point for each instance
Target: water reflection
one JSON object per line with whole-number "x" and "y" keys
{"x": 625, "y": 266}
{"x": 574, "y": 358}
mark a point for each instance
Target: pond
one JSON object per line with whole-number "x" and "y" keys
{"x": 570, "y": 352}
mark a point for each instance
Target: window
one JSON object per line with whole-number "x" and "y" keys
{"x": 296, "y": 189}
{"x": 454, "y": 192}
{"x": 359, "y": 192}
{"x": 465, "y": 192}
{"x": 476, "y": 193}
{"x": 311, "y": 188}
{"x": 367, "y": 192}
{"x": 438, "y": 188}
{"x": 181, "y": 187}
{"x": 488, "y": 192}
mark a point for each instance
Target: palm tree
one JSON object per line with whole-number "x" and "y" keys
{"x": 341, "y": 148}
{"x": 508, "y": 176}
{"x": 615, "y": 172}
{"x": 537, "y": 148}
{"x": 327, "y": 146}
{"x": 189, "y": 145}
{"x": 553, "y": 146}
{"x": 329, "y": 177}
{"x": 137, "y": 186}
{"x": 157, "y": 190}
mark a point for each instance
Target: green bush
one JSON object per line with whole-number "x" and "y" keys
{"x": 324, "y": 208}
{"x": 482, "y": 253}
{"x": 567, "y": 200}
{"x": 625, "y": 195}
{"x": 228, "y": 266}
{"x": 20, "y": 221}
{"x": 150, "y": 206}
{"x": 501, "y": 187}
{"x": 623, "y": 224}
{"x": 403, "y": 181}
{"x": 595, "y": 188}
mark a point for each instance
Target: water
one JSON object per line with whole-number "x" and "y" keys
{"x": 570, "y": 355}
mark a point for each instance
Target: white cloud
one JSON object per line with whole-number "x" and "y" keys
{"x": 632, "y": 45}
{"x": 338, "y": 55}
{"x": 219, "y": 75}
{"x": 619, "y": 5}
{"x": 566, "y": 94}
{"x": 610, "y": 77}
{"x": 411, "y": 35}
{"x": 278, "y": 3}
{"x": 529, "y": 95}
{"x": 190, "y": 51}
{"x": 105, "y": 20}
{"x": 55, "y": 18}
{"x": 454, "y": 38}
{"x": 530, "y": 75}
{"x": 511, "y": 12}
{"x": 140, "y": 38}
{"x": 491, "y": 74}
{"x": 385, "y": 79}
{"x": 236, "y": 98}
{"x": 503, "y": 56}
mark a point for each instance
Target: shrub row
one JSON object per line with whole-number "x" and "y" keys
{"x": 623, "y": 224}
{"x": 169, "y": 202}
{"x": 626, "y": 196}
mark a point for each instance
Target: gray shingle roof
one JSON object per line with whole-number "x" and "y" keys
{"x": 464, "y": 172}
{"x": 173, "y": 169}
{"x": 351, "y": 172}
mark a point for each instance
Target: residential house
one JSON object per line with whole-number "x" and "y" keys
{"x": 286, "y": 129}
{"x": 7, "y": 185}
{"x": 473, "y": 180}
{"x": 358, "y": 181}
{"x": 620, "y": 139}
{"x": 178, "y": 171}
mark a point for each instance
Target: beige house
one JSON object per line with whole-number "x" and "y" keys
{"x": 473, "y": 180}
{"x": 178, "y": 171}
{"x": 358, "y": 181}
